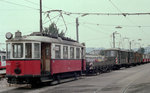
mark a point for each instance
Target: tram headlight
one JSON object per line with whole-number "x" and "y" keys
{"x": 17, "y": 70}
{"x": 9, "y": 35}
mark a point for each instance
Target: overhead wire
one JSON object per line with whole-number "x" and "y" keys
{"x": 97, "y": 24}
{"x": 50, "y": 20}
{"x": 36, "y": 4}
{"x": 95, "y": 30}
{"x": 64, "y": 21}
{"x": 108, "y": 14}
{"x": 121, "y": 12}
{"x": 18, "y": 4}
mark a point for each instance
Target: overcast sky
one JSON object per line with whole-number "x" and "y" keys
{"x": 24, "y": 16}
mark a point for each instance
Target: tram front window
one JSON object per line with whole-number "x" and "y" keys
{"x": 28, "y": 50}
{"x": 8, "y": 50}
{"x": 17, "y": 50}
{"x": 111, "y": 53}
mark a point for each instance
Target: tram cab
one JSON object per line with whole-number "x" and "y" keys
{"x": 35, "y": 57}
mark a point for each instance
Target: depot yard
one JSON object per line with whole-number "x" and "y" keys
{"x": 126, "y": 80}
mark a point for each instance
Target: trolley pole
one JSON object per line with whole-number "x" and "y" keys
{"x": 77, "y": 33}
{"x": 41, "y": 16}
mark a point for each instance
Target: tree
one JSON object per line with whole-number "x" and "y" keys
{"x": 53, "y": 31}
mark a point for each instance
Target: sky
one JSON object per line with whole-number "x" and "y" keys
{"x": 94, "y": 30}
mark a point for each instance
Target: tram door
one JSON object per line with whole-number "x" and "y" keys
{"x": 83, "y": 58}
{"x": 46, "y": 55}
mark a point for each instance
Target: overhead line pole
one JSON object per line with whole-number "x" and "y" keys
{"x": 113, "y": 39}
{"x": 77, "y": 29}
{"x": 130, "y": 45}
{"x": 41, "y": 16}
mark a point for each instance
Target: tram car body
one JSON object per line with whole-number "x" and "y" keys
{"x": 146, "y": 58}
{"x": 34, "y": 58}
{"x": 94, "y": 63}
{"x": 138, "y": 58}
{"x": 2, "y": 59}
{"x": 113, "y": 57}
{"x": 131, "y": 57}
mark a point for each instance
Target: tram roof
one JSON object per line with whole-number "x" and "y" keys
{"x": 2, "y": 51}
{"x": 45, "y": 39}
{"x": 118, "y": 49}
{"x": 114, "y": 49}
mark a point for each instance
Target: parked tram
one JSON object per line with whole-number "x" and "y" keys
{"x": 36, "y": 58}
{"x": 2, "y": 59}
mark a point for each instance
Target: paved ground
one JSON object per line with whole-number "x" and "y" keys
{"x": 130, "y": 80}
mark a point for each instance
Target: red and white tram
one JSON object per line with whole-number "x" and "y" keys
{"x": 2, "y": 59}
{"x": 36, "y": 58}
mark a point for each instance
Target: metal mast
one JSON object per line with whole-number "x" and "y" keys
{"x": 41, "y": 16}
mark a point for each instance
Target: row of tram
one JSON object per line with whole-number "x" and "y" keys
{"x": 2, "y": 59}
{"x": 115, "y": 59}
{"x": 37, "y": 58}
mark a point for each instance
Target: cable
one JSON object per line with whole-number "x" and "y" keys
{"x": 18, "y": 4}
{"x": 85, "y": 14}
{"x": 121, "y": 12}
{"x": 112, "y": 25}
{"x": 50, "y": 19}
{"x": 95, "y": 30}
{"x": 116, "y": 7}
{"x": 57, "y": 19}
{"x": 64, "y": 21}
{"x": 36, "y": 3}
{"x": 32, "y": 2}
{"x": 67, "y": 24}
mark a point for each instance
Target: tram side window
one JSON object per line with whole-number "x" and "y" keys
{"x": 17, "y": 50}
{"x": 123, "y": 55}
{"x": 77, "y": 53}
{"x": 8, "y": 49}
{"x": 3, "y": 58}
{"x": 71, "y": 52}
{"x": 111, "y": 53}
{"x": 57, "y": 52}
{"x": 28, "y": 50}
{"x": 65, "y": 52}
{"x": 36, "y": 50}
{"x": 0, "y": 58}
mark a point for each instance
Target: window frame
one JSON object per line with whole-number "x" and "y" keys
{"x": 23, "y": 42}
{"x": 79, "y": 52}
{"x": 72, "y": 56}
{"x": 27, "y": 52}
{"x": 3, "y": 58}
{"x": 34, "y": 50}
{"x": 14, "y": 52}
{"x": 67, "y": 48}
{"x": 60, "y": 51}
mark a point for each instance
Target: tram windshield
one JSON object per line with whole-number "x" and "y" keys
{"x": 23, "y": 50}
{"x": 17, "y": 50}
{"x": 110, "y": 53}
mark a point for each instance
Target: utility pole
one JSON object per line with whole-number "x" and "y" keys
{"x": 77, "y": 33}
{"x": 130, "y": 45}
{"x": 113, "y": 39}
{"x": 41, "y": 16}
